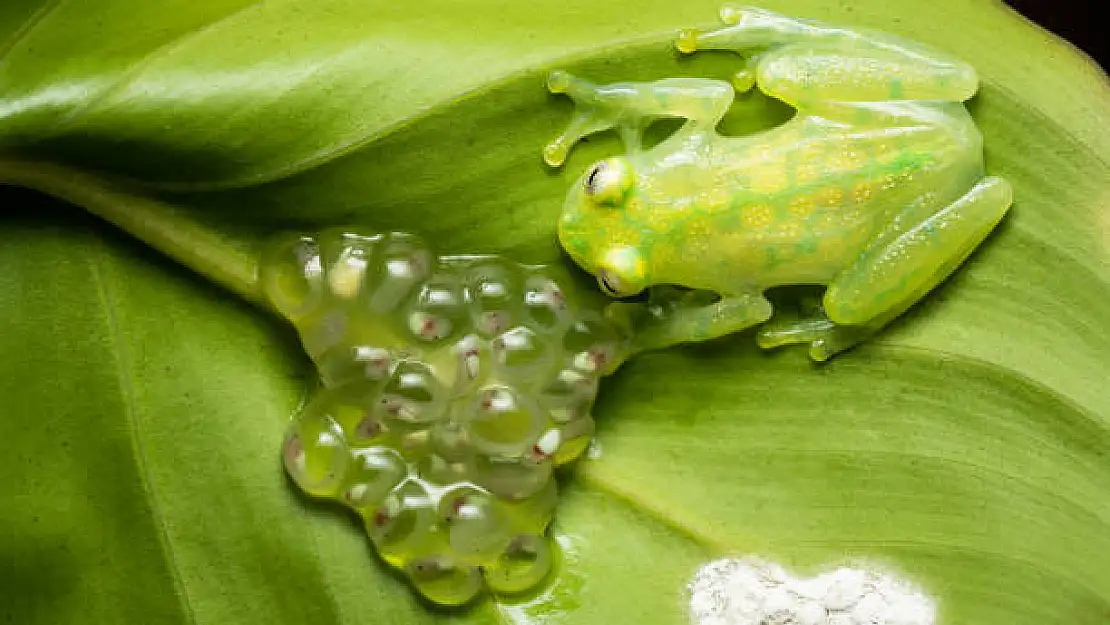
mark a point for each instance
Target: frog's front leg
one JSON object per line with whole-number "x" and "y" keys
{"x": 688, "y": 319}
{"x": 824, "y": 337}
{"x": 893, "y": 275}
{"x": 630, "y": 107}
{"x": 804, "y": 62}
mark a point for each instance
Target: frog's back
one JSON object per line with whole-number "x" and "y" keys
{"x": 814, "y": 150}
{"x": 811, "y": 193}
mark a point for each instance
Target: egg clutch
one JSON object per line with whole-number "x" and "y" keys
{"x": 451, "y": 389}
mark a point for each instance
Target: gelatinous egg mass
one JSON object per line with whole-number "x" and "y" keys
{"x": 451, "y": 389}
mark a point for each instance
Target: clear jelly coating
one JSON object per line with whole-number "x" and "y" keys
{"x": 451, "y": 389}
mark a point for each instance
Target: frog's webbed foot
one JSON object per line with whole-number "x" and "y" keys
{"x": 630, "y": 107}
{"x": 748, "y": 30}
{"x": 591, "y": 115}
{"x": 825, "y": 338}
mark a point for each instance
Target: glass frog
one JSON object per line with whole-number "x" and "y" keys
{"x": 875, "y": 189}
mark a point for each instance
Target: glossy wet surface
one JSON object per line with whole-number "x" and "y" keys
{"x": 451, "y": 389}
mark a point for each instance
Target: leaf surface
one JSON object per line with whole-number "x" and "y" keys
{"x": 966, "y": 446}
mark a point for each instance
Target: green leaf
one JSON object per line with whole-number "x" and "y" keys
{"x": 966, "y": 446}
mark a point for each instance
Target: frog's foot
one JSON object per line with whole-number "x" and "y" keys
{"x": 825, "y": 338}
{"x": 630, "y": 107}
{"x": 590, "y": 115}
{"x": 749, "y": 29}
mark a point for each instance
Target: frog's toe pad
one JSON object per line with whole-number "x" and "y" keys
{"x": 743, "y": 81}
{"x": 558, "y": 81}
{"x": 687, "y": 41}
{"x": 730, "y": 15}
{"x": 819, "y": 351}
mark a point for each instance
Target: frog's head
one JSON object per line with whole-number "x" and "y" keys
{"x": 593, "y": 222}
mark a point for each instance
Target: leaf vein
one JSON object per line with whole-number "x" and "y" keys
{"x": 36, "y": 19}
{"x": 125, "y": 375}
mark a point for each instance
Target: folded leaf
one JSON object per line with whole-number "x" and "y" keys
{"x": 965, "y": 447}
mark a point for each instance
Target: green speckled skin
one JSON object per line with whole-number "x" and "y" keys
{"x": 876, "y": 188}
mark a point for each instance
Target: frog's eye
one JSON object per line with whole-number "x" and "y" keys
{"x": 620, "y": 272}
{"x": 610, "y": 283}
{"x": 608, "y": 181}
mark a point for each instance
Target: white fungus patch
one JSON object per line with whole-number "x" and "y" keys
{"x": 753, "y": 592}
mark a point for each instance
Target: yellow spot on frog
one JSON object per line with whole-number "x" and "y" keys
{"x": 863, "y": 191}
{"x": 847, "y": 160}
{"x": 757, "y": 216}
{"x": 801, "y": 206}
{"x": 698, "y": 238}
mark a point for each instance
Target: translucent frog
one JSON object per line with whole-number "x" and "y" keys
{"x": 875, "y": 189}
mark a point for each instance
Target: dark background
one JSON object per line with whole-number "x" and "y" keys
{"x": 1078, "y": 21}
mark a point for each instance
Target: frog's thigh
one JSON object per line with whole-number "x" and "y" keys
{"x": 852, "y": 71}
{"x": 884, "y": 282}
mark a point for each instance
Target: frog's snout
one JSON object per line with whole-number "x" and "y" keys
{"x": 573, "y": 238}
{"x": 571, "y": 230}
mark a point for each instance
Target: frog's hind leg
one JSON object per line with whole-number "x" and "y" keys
{"x": 853, "y": 71}
{"x": 895, "y": 273}
{"x": 630, "y": 107}
{"x": 803, "y": 62}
